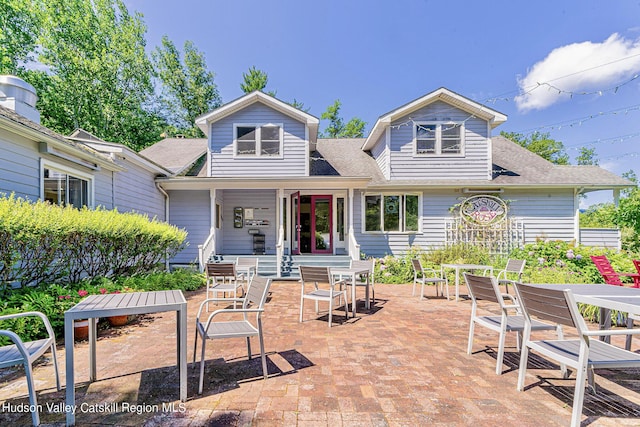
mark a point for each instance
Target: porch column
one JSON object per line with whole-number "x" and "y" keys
{"x": 280, "y": 232}
{"x": 354, "y": 248}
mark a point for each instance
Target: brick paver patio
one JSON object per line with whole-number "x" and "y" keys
{"x": 402, "y": 363}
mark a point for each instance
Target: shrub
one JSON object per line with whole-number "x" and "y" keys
{"x": 44, "y": 243}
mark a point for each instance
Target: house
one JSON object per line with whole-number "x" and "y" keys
{"x": 269, "y": 185}
{"x": 37, "y": 163}
{"x": 430, "y": 173}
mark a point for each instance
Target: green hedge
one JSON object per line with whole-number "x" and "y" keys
{"x": 45, "y": 243}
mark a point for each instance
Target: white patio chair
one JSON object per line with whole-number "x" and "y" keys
{"x": 311, "y": 279}
{"x": 246, "y": 268}
{"x": 26, "y": 353}
{"x": 222, "y": 277}
{"x": 582, "y": 353}
{"x": 238, "y": 325}
{"x": 367, "y": 281}
{"x": 486, "y": 288}
{"x": 427, "y": 275}
{"x": 511, "y": 273}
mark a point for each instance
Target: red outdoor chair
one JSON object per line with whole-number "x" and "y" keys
{"x": 610, "y": 276}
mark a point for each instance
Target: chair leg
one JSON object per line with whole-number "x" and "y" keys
{"x": 265, "y": 373}
{"x": 33, "y": 400}
{"x": 330, "y": 308}
{"x": 413, "y": 292}
{"x": 55, "y": 364}
{"x": 500, "y": 357}
{"x": 470, "y": 343}
{"x": 204, "y": 341}
{"x": 422, "y": 290}
{"x": 301, "y": 305}
{"x": 249, "y": 347}
{"x": 522, "y": 370}
{"x": 195, "y": 346}
{"x": 578, "y": 395}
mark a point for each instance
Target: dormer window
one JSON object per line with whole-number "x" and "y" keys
{"x": 263, "y": 140}
{"x": 438, "y": 138}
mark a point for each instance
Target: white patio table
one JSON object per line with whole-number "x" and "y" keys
{"x": 607, "y": 297}
{"x": 354, "y": 272}
{"x": 458, "y": 267}
{"x": 96, "y": 306}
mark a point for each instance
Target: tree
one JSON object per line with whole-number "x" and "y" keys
{"x": 587, "y": 156}
{"x": 542, "y": 145}
{"x": 255, "y": 79}
{"x": 99, "y": 75}
{"x": 18, "y": 34}
{"x": 336, "y": 127}
{"x": 189, "y": 88}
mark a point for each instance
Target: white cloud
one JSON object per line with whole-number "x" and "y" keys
{"x": 579, "y": 67}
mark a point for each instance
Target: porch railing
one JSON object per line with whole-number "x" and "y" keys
{"x": 205, "y": 250}
{"x": 279, "y": 251}
{"x": 354, "y": 247}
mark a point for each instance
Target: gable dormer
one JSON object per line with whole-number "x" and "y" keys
{"x": 258, "y": 135}
{"x": 438, "y": 136}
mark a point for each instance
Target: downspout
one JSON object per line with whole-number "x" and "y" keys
{"x": 166, "y": 216}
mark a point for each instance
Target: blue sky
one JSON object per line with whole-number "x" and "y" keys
{"x": 569, "y": 68}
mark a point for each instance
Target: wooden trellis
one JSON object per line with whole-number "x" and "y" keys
{"x": 497, "y": 238}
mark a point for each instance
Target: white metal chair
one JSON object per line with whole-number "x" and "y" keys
{"x": 222, "y": 277}
{"x": 427, "y": 275}
{"x": 246, "y": 268}
{"x": 582, "y": 353}
{"x": 311, "y": 278}
{"x": 240, "y": 327}
{"x": 486, "y": 288}
{"x": 26, "y": 353}
{"x": 367, "y": 281}
{"x": 511, "y": 273}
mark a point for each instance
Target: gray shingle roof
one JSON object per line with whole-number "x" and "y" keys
{"x": 176, "y": 154}
{"x": 23, "y": 121}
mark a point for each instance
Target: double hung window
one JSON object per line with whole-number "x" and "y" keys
{"x": 65, "y": 188}
{"x": 391, "y": 212}
{"x": 258, "y": 140}
{"x": 435, "y": 138}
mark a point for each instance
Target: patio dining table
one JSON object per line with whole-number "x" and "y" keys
{"x": 458, "y": 267}
{"x": 106, "y": 305}
{"x": 355, "y": 273}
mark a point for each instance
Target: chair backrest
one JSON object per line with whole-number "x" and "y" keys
{"x": 417, "y": 265}
{"x": 257, "y": 291}
{"x": 247, "y": 262}
{"x": 221, "y": 270}
{"x": 606, "y": 270}
{"x": 636, "y": 264}
{"x": 368, "y": 264}
{"x": 483, "y": 288}
{"x": 553, "y": 305}
{"x": 515, "y": 266}
{"x": 316, "y": 275}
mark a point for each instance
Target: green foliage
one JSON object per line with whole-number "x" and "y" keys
{"x": 587, "y": 156}
{"x": 189, "y": 88}
{"x": 601, "y": 215}
{"x": 54, "y": 299}
{"x": 41, "y": 242}
{"x": 255, "y": 79}
{"x": 336, "y": 127}
{"x": 18, "y": 34}
{"x": 542, "y": 145}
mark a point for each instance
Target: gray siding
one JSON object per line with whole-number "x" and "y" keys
{"x": 190, "y": 210}
{"x": 600, "y": 237}
{"x": 238, "y": 240}
{"x": 19, "y": 167}
{"x": 379, "y": 152}
{"x": 474, "y": 164}
{"x": 548, "y": 215}
{"x": 293, "y": 161}
{"x": 135, "y": 190}
{"x": 103, "y": 189}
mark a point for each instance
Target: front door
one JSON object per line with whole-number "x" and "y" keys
{"x": 322, "y": 241}
{"x": 312, "y": 224}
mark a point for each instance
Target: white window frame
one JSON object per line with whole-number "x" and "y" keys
{"x": 438, "y": 139}
{"x": 46, "y": 164}
{"x": 258, "y": 129}
{"x": 363, "y": 209}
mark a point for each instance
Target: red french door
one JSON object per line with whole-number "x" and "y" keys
{"x": 321, "y": 224}
{"x": 295, "y": 215}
